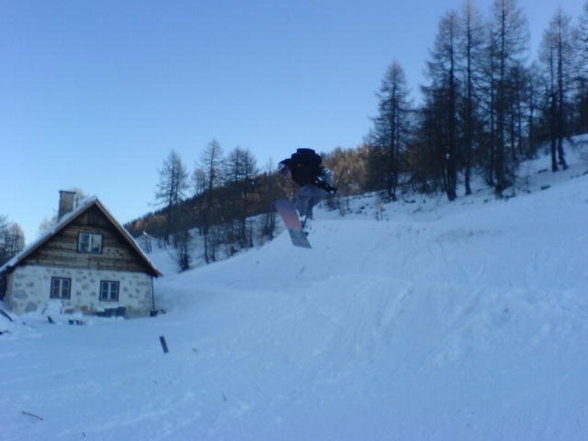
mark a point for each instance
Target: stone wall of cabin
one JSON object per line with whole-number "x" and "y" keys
{"x": 29, "y": 288}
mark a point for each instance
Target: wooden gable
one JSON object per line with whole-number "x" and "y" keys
{"x": 119, "y": 252}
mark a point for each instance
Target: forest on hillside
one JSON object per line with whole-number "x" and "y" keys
{"x": 484, "y": 109}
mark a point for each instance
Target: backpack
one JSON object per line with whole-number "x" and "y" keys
{"x": 305, "y": 165}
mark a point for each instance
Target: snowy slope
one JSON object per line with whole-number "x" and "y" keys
{"x": 465, "y": 321}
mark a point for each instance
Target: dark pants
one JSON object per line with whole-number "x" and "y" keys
{"x": 308, "y": 196}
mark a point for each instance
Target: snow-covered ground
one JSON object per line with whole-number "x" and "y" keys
{"x": 443, "y": 321}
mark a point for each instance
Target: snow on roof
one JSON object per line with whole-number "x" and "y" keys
{"x": 82, "y": 206}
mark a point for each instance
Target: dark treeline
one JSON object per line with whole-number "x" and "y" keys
{"x": 225, "y": 205}
{"x": 484, "y": 109}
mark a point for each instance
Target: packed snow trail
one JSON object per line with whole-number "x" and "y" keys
{"x": 470, "y": 324}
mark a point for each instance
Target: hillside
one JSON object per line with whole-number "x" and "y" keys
{"x": 464, "y": 321}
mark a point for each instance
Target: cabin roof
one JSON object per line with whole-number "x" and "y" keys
{"x": 66, "y": 220}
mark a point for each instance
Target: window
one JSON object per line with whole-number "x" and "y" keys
{"x": 90, "y": 243}
{"x": 60, "y": 288}
{"x": 109, "y": 291}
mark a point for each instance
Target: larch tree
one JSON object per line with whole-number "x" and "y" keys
{"x": 444, "y": 90}
{"x": 171, "y": 191}
{"x": 12, "y": 240}
{"x": 471, "y": 61}
{"x": 509, "y": 38}
{"x": 558, "y": 57}
{"x": 241, "y": 170}
{"x": 581, "y": 73}
{"x": 211, "y": 164}
{"x": 390, "y": 135}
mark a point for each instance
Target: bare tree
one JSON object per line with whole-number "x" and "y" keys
{"x": 445, "y": 89}
{"x": 581, "y": 76}
{"x": 211, "y": 164}
{"x": 171, "y": 191}
{"x": 509, "y": 36}
{"x": 471, "y": 48}
{"x": 389, "y": 137}
{"x": 241, "y": 169}
{"x": 557, "y": 55}
{"x": 533, "y": 89}
{"x": 12, "y": 240}
{"x": 349, "y": 167}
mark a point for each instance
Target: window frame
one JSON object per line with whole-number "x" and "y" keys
{"x": 109, "y": 297}
{"x": 59, "y": 292}
{"x": 90, "y": 242}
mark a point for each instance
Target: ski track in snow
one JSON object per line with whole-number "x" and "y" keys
{"x": 451, "y": 323}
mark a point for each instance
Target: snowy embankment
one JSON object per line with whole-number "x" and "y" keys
{"x": 466, "y": 321}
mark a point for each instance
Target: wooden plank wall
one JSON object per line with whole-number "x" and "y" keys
{"x": 61, "y": 250}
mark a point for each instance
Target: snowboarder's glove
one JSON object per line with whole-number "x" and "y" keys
{"x": 322, "y": 184}
{"x": 332, "y": 191}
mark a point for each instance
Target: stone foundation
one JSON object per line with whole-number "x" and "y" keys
{"x": 29, "y": 289}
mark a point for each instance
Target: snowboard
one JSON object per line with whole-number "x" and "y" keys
{"x": 290, "y": 217}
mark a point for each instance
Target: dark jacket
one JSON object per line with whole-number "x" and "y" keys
{"x": 305, "y": 167}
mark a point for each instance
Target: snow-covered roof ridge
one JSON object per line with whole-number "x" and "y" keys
{"x": 49, "y": 233}
{"x": 66, "y": 219}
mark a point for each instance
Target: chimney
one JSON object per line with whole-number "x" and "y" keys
{"x": 66, "y": 203}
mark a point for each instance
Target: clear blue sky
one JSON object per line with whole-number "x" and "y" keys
{"x": 95, "y": 94}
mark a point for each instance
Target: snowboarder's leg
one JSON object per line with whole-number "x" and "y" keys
{"x": 308, "y": 197}
{"x": 302, "y": 200}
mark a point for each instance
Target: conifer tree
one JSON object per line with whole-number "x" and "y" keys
{"x": 557, "y": 55}
{"x": 581, "y": 73}
{"x": 471, "y": 55}
{"x": 445, "y": 91}
{"x": 389, "y": 137}
{"x": 171, "y": 191}
{"x": 211, "y": 164}
{"x": 509, "y": 37}
{"x": 241, "y": 169}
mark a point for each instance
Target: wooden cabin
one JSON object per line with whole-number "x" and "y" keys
{"x": 88, "y": 262}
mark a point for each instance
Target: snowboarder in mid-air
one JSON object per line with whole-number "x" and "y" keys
{"x": 305, "y": 168}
